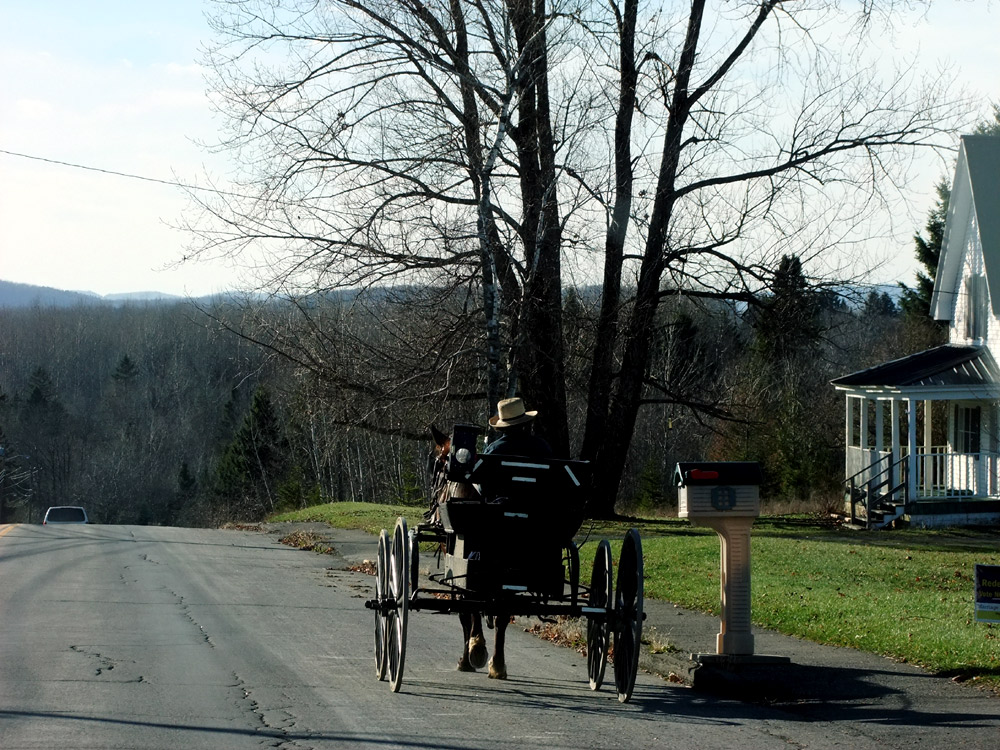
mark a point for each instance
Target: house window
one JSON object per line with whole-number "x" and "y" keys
{"x": 968, "y": 421}
{"x": 975, "y": 306}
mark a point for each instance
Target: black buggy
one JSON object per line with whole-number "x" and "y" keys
{"x": 509, "y": 550}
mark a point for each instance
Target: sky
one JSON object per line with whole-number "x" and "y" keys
{"x": 115, "y": 85}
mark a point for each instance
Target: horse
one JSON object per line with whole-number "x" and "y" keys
{"x": 474, "y": 653}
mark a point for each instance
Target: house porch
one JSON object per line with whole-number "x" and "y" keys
{"x": 921, "y": 438}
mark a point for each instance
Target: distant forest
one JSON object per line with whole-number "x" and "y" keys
{"x": 180, "y": 414}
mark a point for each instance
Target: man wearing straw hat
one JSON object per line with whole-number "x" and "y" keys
{"x": 514, "y": 424}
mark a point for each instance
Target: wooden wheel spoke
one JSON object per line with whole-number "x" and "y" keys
{"x": 381, "y": 596}
{"x": 598, "y": 627}
{"x": 399, "y": 579}
{"x": 628, "y": 615}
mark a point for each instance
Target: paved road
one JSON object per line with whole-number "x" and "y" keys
{"x": 136, "y": 637}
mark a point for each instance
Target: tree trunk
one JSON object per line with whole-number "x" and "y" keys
{"x": 613, "y": 451}
{"x": 539, "y": 348}
{"x": 602, "y": 366}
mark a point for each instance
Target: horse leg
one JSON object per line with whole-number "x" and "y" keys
{"x": 467, "y": 620}
{"x": 475, "y": 644}
{"x": 498, "y": 668}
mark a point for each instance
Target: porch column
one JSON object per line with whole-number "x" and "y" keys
{"x": 879, "y": 427}
{"x": 991, "y": 470}
{"x": 864, "y": 426}
{"x": 897, "y": 452}
{"x": 928, "y": 433}
{"x": 928, "y": 445}
{"x": 911, "y": 442}
{"x": 848, "y": 433}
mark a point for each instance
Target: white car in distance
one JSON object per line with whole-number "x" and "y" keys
{"x": 65, "y": 514}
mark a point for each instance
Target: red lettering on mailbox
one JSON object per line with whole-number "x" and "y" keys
{"x": 703, "y": 474}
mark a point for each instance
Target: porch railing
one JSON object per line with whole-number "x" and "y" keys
{"x": 956, "y": 476}
{"x": 876, "y": 488}
{"x": 861, "y": 461}
{"x": 940, "y": 475}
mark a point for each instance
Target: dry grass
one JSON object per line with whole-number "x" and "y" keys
{"x": 564, "y": 631}
{"x": 658, "y": 644}
{"x": 307, "y": 540}
{"x": 817, "y": 504}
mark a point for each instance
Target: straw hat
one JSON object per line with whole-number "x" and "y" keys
{"x": 511, "y": 412}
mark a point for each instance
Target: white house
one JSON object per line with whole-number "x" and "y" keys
{"x": 895, "y": 468}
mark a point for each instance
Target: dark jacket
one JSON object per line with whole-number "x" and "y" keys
{"x": 519, "y": 442}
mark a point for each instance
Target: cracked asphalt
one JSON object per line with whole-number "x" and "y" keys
{"x": 137, "y": 637}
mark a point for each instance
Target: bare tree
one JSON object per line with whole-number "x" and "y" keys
{"x": 491, "y": 148}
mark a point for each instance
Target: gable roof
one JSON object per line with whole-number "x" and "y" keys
{"x": 949, "y": 365}
{"x": 975, "y": 191}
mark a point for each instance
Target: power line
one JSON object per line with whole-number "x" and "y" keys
{"x": 171, "y": 183}
{"x": 186, "y": 186}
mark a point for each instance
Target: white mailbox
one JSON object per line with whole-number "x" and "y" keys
{"x": 718, "y": 489}
{"x": 725, "y": 496}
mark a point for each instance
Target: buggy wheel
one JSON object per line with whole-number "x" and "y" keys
{"x": 381, "y": 595}
{"x": 598, "y": 629}
{"x": 628, "y": 615}
{"x": 399, "y": 578}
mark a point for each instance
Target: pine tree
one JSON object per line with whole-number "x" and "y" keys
{"x": 6, "y": 465}
{"x": 879, "y": 304}
{"x": 254, "y": 462}
{"x": 185, "y": 494}
{"x": 44, "y": 436}
{"x": 685, "y": 353}
{"x": 41, "y": 389}
{"x": 782, "y": 433}
{"x": 787, "y": 321}
{"x": 125, "y": 371}
{"x": 916, "y": 302}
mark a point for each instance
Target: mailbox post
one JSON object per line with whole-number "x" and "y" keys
{"x": 725, "y": 496}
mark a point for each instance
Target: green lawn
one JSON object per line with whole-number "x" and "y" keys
{"x": 904, "y": 594}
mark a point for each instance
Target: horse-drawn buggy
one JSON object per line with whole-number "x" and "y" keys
{"x": 503, "y": 531}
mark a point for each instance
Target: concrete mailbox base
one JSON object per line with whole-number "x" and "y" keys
{"x": 741, "y": 677}
{"x": 735, "y": 636}
{"x": 728, "y": 661}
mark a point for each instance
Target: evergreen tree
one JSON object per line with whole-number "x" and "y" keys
{"x": 254, "y": 463}
{"x": 781, "y": 388}
{"x": 787, "y": 321}
{"x": 686, "y": 350}
{"x": 185, "y": 494}
{"x": 830, "y": 301}
{"x": 879, "y": 304}
{"x": 989, "y": 126}
{"x": 916, "y": 302}
{"x": 10, "y": 475}
{"x": 125, "y": 371}
{"x": 44, "y": 435}
{"x": 41, "y": 389}
{"x": 230, "y": 416}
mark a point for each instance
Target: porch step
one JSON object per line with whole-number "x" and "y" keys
{"x": 884, "y": 514}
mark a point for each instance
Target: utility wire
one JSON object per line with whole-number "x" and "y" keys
{"x": 172, "y": 183}
{"x": 186, "y": 186}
